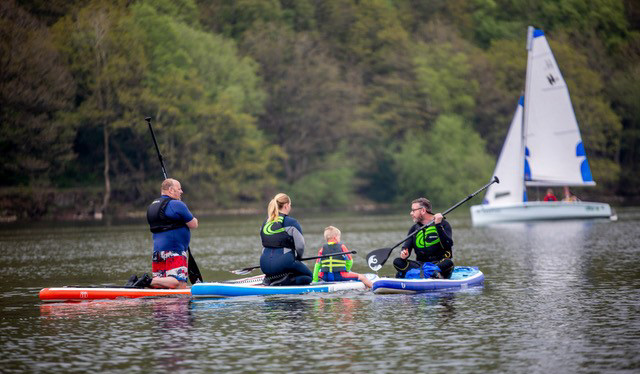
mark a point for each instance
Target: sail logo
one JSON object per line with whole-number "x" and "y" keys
{"x": 551, "y": 79}
{"x": 501, "y": 194}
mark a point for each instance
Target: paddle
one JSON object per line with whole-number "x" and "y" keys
{"x": 249, "y": 269}
{"x": 377, "y": 258}
{"x": 192, "y": 266}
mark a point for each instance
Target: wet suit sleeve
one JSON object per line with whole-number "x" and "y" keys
{"x": 445, "y": 234}
{"x": 316, "y": 268}
{"x": 408, "y": 244}
{"x": 348, "y": 256}
{"x": 292, "y": 227}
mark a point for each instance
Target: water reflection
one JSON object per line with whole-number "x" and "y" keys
{"x": 342, "y": 308}
{"x": 556, "y": 295}
{"x": 168, "y": 313}
{"x": 172, "y": 313}
{"x": 93, "y": 309}
{"x": 438, "y": 305}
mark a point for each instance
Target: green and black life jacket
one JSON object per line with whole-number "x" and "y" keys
{"x": 428, "y": 246}
{"x": 333, "y": 263}
{"x": 273, "y": 234}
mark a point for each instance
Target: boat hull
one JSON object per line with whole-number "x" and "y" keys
{"x": 538, "y": 211}
{"x": 77, "y": 294}
{"x": 210, "y": 290}
{"x": 462, "y": 278}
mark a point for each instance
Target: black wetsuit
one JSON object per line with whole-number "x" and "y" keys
{"x": 432, "y": 244}
{"x": 283, "y": 245}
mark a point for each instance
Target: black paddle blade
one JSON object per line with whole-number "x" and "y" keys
{"x": 377, "y": 258}
{"x": 193, "y": 270}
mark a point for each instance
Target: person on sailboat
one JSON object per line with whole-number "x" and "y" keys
{"x": 170, "y": 221}
{"x": 283, "y": 246}
{"x": 433, "y": 244}
{"x": 550, "y": 196}
{"x": 568, "y": 196}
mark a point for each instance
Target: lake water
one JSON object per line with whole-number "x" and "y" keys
{"x": 558, "y": 297}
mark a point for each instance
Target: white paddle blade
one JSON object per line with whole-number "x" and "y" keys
{"x": 241, "y": 271}
{"x": 373, "y": 263}
{"x": 377, "y": 258}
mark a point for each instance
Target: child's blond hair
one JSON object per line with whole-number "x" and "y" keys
{"x": 331, "y": 232}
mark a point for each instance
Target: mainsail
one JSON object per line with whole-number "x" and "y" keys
{"x": 543, "y": 148}
{"x": 555, "y": 155}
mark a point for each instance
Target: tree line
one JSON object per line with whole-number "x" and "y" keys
{"x": 332, "y": 101}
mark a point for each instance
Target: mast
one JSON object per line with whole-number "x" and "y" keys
{"x": 525, "y": 111}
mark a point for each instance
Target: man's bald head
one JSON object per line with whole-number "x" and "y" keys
{"x": 172, "y": 188}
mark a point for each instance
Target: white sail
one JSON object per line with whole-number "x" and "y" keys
{"x": 543, "y": 147}
{"x": 510, "y": 166}
{"x": 555, "y": 155}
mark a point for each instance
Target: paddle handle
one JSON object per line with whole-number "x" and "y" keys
{"x": 155, "y": 142}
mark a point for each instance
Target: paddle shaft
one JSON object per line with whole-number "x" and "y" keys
{"x": 495, "y": 180}
{"x": 192, "y": 266}
{"x": 244, "y": 270}
{"x": 372, "y": 258}
{"x": 155, "y": 142}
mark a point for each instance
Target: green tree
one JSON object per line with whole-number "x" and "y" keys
{"x": 376, "y": 40}
{"x": 625, "y": 91}
{"x": 205, "y": 99}
{"x": 444, "y": 164}
{"x": 330, "y": 186}
{"x": 500, "y": 72}
{"x": 445, "y": 78}
{"x": 232, "y": 18}
{"x": 604, "y": 19}
{"x": 310, "y": 103}
{"x": 104, "y": 58}
{"x": 34, "y": 85}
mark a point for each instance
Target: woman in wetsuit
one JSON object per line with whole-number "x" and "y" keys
{"x": 283, "y": 246}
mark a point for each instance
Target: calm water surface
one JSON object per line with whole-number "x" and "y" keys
{"x": 558, "y": 297}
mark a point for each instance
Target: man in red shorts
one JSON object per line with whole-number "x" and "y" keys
{"x": 170, "y": 222}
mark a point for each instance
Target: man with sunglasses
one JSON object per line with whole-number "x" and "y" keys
{"x": 433, "y": 244}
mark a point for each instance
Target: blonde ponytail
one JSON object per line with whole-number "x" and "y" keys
{"x": 273, "y": 209}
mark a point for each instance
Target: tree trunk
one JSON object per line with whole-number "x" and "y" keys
{"x": 107, "y": 182}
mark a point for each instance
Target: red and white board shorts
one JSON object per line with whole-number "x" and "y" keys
{"x": 170, "y": 264}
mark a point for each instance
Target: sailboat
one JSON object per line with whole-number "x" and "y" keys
{"x": 543, "y": 147}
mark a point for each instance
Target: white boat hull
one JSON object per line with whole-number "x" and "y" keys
{"x": 538, "y": 211}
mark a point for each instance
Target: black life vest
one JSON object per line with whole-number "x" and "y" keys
{"x": 428, "y": 246}
{"x": 158, "y": 221}
{"x": 334, "y": 263}
{"x": 273, "y": 234}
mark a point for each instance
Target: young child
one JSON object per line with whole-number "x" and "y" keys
{"x": 336, "y": 268}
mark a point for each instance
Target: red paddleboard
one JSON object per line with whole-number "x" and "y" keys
{"x": 77, "y": 294}
{"x": 93, "y": 293}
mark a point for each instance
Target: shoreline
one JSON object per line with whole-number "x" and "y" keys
{"x": 81, "y": 205}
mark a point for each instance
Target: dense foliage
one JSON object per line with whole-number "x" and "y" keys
{"x": 333, "y": 101}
